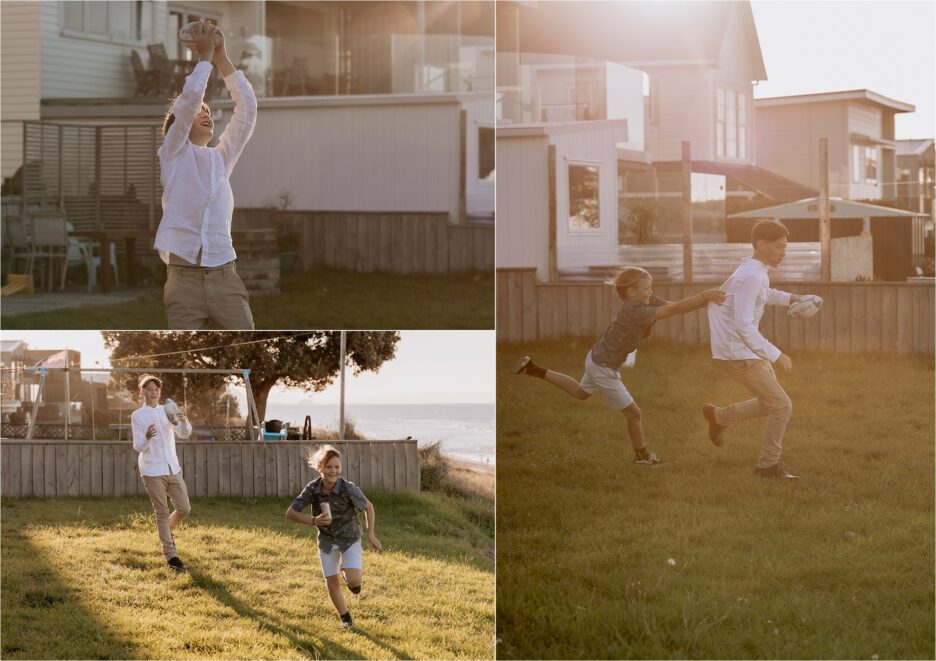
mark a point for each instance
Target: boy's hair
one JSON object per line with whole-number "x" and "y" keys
{"x": 146, "y": 378}
{"x": 627, "y": 277}
{"x": 768, "y": 230}
{"x": 170, "y": 116}
{"x": 322, "y": 456}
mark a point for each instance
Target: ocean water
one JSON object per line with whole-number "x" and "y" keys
{"x": 465, "y": 431}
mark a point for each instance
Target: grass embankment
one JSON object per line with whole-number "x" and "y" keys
{"x": 322, "y": 299}
{"x": 85, "y": 578}
{"x": 838, "y": 564}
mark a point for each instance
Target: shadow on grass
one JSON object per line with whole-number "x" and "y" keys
{"x": 329, "y": 649}
{"x": 43, "y": 618}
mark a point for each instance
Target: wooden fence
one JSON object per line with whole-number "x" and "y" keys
{"x": 394, "y": 242}
{"x": 886, "y": 317}
{"x": 40, "y": 468}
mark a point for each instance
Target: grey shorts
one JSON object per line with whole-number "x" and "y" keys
{"x": 195, "y": 296}
{"x": 607, "y": 382}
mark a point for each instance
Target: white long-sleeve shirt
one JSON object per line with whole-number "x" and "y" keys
{"x": 157, "y": 454}
{"x": 733, "y": 325}
{"x": 197, "y": 200}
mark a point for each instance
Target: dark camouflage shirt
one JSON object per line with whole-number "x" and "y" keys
{"x": 345, "y": 500}
{"x": 633, "y": 323}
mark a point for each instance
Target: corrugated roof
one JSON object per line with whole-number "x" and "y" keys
{"x": 839, "y": 208}
{"x": 913, "y": 147}
{"x": 769, "y": 184}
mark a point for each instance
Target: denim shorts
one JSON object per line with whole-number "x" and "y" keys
{"x": 335, "y": 560}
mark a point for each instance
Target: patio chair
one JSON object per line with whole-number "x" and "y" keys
{"x": 169, "y": 81}
{"x": 21, "y": 248}
{"x": 147, "y": 80}
{"x": 87, "y": 252}
{"x": 50, "y": 242}
{"x": 275, "y": 430}
{"x": 297, "y": 74}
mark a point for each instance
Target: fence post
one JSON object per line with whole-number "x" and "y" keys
{"x": 825, "y": 232}
{"x": 687, "y": 211}
{"x": 98, "y": 225}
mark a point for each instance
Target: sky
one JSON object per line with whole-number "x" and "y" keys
{"x": 431, "y": 367}
{"x": 887, "y": 47}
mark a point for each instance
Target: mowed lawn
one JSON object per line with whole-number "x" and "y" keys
{"x": 322, "y": 299}
{"x": 837, "y": 565}
{"x": 85, "y": 579}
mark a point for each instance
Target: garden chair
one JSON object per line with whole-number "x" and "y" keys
{"x": 50, "y": 242}
{"x": 147, "y": 80}
{"x": 21, "y": 248}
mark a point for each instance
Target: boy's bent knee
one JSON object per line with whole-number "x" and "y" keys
{"x": 632, "y": 412}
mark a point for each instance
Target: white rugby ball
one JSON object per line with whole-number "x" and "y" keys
{"x": 188, "y": 40}
{"x": 805, "y": 307}
{"x": 172, "y": 411}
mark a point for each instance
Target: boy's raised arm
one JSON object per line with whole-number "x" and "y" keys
{"x": 240, "y": 128}
{"x": 189, "y": 102}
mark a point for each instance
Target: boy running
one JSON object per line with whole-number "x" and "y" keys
{"x": 640, "y": 309}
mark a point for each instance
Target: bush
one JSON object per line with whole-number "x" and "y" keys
{"x": 433, "y": 467}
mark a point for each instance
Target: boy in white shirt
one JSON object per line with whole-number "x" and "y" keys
{"x": 739, "y": 347}
{"x": 194, "y": 235}
{"x": 154, "y": 438}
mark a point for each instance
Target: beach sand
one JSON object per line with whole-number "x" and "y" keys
{"x": 473, "y": 475}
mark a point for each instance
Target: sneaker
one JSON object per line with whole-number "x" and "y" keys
{"x": 522, "y": 365}
{"x": 649, "y": 459}
{"x": 346, "y": 624}
{"x": 714, "y": 429}
{"x": 776, "y": 471}
{"x": 177, "y": 565}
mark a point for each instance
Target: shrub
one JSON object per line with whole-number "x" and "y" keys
{"x": 433, "y": 467}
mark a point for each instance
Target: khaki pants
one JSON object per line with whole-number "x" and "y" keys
{"x": 159, "y": 487}
{"x": 770, "y": 400}
{"x": 196, "y": 295}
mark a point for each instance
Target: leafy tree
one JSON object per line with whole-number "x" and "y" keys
{"x": 308, "y": 360}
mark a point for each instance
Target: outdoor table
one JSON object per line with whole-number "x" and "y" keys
{"x": 106, "y": 237}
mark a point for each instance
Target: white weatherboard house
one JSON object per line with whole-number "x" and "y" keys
{"x": 860, "y": 127}
{"x": 364, "y": 107}
{"x": 567, "y": 72}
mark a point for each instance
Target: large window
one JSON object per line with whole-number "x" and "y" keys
{"x": 584, "y": 207}
{"x": 118, "y": 21}
{"x": 871, "y": 165}
{"x": 730, "y": 123}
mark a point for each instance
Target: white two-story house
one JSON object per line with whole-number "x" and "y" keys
{"x": 366, "y": 109}
{"x": 859, "y": 125}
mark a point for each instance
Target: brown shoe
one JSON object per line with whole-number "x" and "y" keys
{"x": 714, "y": 429}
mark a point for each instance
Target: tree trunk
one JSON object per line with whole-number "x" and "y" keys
{"x": 261, "y": 391}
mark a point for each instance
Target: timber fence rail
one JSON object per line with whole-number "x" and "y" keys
{"x": 884, "y": 317}
{"x": 56, "y": 468}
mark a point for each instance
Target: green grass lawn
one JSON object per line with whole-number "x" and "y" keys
{"x": 322, "y": 299}
{"x": 839, "y": 564}
{"x": 85, "y": 579}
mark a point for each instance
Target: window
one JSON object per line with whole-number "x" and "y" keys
{"x": 485, "y": 153}
{"x": 856, "y": 164}
{"x": 584, "y": 207}
{"x": 730, "y": 123}
{"x": 119, "y": 21}
{"x": 179, "y": 16}
{"x": 871, "y": 159}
